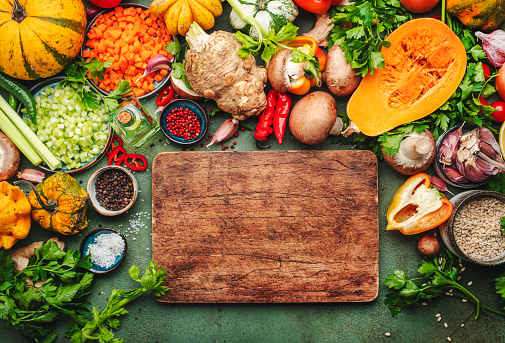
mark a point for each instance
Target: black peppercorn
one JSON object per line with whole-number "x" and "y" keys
{"x": 114, "y": 189}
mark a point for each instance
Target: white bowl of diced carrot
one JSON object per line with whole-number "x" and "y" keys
{"x": 128, "y": 36}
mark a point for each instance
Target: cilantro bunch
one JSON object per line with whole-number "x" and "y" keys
{"x": 360, "y": 30}
{"x": 152, "y": 280}
{"x": 78, "y": 72}
{"x": 439, "y": 278}
{"x": 34, "y": 309}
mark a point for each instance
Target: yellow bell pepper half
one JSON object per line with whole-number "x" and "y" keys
{"x": 417, "y": 207}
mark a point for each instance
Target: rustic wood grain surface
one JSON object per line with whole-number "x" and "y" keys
{"x": 266, "y": 226}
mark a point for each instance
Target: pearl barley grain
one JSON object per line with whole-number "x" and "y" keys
{"x": 477, "y": 228}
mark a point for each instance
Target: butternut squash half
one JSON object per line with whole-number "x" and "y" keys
{"x": 423, "y": 67}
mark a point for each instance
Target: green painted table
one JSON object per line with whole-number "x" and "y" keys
{"x": 149, "y": 321}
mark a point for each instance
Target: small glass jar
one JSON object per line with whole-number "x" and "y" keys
{"x": 447, "y": 229}
{"x": 133, "y": 123}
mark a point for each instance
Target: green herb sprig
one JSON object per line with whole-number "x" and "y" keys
{"x": 78, "y": 73}
{"x": 34, "y": 309}
{"x": 99, "y": 328}
{"x": 360, "y": 30}
{"x": 439, "y": 278}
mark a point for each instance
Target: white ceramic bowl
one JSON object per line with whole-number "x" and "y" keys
{"x": 92, "y": 192}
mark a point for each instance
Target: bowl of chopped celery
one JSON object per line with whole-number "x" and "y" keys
{"x": 76, "y": 134}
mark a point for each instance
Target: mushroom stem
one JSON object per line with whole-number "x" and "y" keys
{"x": 415, "y": 148}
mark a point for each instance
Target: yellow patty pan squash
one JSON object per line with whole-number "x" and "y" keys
{"x": 15, "y": 212}
{"x": 60, "y": 204}
{"x": 180, "y": 14}
{"x": 38, "y": 38}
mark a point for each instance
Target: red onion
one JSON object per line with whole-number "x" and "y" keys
{"x": 227, "y": 129}
{"x": 32, "y": 175}
{"x": 91, "y": 12}
{"x": 156, "y": 63}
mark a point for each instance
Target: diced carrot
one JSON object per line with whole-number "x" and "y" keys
{"x": 145, "y": 55}
{"x": 143, "y": 16}
{"x": 131, "y": 70}
{"x": 121, "y": 24}
{"x": 115, "y": 34}
{"x": 158, "y": 77}
{"x": 86, "y": 53}
{"x": 123, "y": 63}
{"x": 163, "y": 72}
{"x": 147, "y": 13}
{"x": 101, "y": 27}
{"x": 151, "y": 31}
{"x": 138, "y": 65}
{"x": 139, "y": 10}
{"x": 151, "y": 87}
{"x": 98, "y": 32}
{"x": 138, "y": 92}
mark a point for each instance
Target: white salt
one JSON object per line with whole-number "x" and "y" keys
{"x": 106, "y": 248}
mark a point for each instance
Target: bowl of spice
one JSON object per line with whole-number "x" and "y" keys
{"x": 112, "y": 190}
{"x": 184, "y": 121}
{"x": 106, "y": 248}
{"x": 474, "y": 232}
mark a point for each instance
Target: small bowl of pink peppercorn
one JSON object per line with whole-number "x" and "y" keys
{"x": 184, "y": 121}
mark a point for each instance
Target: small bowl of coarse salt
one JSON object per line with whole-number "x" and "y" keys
{"x": 474, "y": 232}
{"x": 106, "y": 248}
{"x": 112, "y": 190}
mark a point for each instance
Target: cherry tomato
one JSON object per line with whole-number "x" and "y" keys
{"x": 487, "y": 71}
{"x": 499, "y": 115}
{"x": 500, "y": 83}
{"x": 419, "y": 6}
{"x": 105, "y": 3}
{"x": 314, "y": 6}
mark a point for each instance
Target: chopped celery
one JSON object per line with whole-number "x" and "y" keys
{"x": 72, "y": 132}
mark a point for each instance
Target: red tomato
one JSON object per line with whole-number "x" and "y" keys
{"x": 487, "y": 71}
{"x": 314, "y": 6}
{"x": 499, "y": 115}
{"x": 500, "y": 83}
{"x": 105, "y": 3}
{"x": 419, "y": 6}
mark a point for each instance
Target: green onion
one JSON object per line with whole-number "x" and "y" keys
{"x": 31, "y": 140}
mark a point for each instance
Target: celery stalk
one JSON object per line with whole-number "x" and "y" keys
{"x": 49, "y": 159}
{"x": 18, "y": 139}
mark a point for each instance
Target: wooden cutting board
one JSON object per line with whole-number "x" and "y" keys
{"x": 266, "y": 226}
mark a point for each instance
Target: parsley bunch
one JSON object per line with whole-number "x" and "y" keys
{"x": 152, "y": 280}
{"x": 439, "y": 277}
{"x": 360, "y": 30}
{"x": 78, "y": 72}
{"x": 33, "y": 309}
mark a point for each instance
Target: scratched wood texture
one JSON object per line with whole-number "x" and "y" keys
{"x": 266, "y": 226}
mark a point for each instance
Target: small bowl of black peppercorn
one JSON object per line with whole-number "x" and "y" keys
{"x": 112, "y": 190}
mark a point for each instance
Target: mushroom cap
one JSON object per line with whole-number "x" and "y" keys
{"x": 182, "y": 90}
{"x": 313, "y": 117}
{"x": 403, "y": 163}
{"x": 277, "y": 71}
{"x": 9, "y": 158}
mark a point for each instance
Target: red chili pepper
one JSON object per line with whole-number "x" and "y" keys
{"x": 281, "y": 115}
{"x": 115, "y": 138}
{"x": 134, "y": 164}
{"x": 116, "y": 156}
{"x": 165, "y": 96}
{"x": 266, "y": 119}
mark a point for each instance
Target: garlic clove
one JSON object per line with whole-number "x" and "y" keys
{"x": 32, "y": 175}
{"x": 477, "y": 170}
{"x": 455, "y": 175}
{"x": 438, "y": 183}
{"x": 493, "y": 45}
{"x": 449, "y": 147}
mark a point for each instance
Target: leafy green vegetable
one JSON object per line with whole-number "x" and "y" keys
{"x": 439, "y": 277}
{"x": 152, "y": 280}
{"x": 462, "y": 107}
{"x": 78, "y": 72}
{"x": 497, "y": 183}
{"x": 354, "y": 31}
{"x": 33, "y": 309}
{"x": 502, "y": 224}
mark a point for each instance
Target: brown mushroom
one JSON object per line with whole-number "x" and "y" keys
{"x": 9, "y": 158}
{"x": 417, "y": 151}
{"x": 340, "y": 77}
{"x": 282, "y": 70}
{"x": 314, "y": 117}
{"x": 428, "y": 246}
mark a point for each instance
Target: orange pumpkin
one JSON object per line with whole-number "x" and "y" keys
{"x": 485, "y": 15}
{"x": 423, "y": 67}
{"x": 39, "y": 37}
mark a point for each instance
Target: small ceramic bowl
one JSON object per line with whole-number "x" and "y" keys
{"x": 439, "y": 167}
{"x": 186, "y": 104}
{"x": 92, "y": 191}
{"x": 114, "y": 258}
